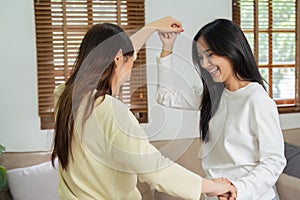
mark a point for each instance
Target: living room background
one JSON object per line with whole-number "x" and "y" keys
{"x": 19, "y": 120}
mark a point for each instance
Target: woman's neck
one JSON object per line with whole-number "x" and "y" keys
{"x": 115, "y": 87}
{"x": 235, "y": 85}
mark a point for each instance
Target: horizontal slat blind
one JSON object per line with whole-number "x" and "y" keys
{"x": 272, "y": 29}
{"x": 60, "y": 27}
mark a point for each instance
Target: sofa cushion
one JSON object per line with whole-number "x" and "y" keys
{"x": 34, "y": 182}
{"x": 288, "y": 187}
{"x": 292, "y": 154}
{"x": 292, "y": 136}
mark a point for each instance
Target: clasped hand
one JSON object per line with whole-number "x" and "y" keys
{"x": 225, "y": 190}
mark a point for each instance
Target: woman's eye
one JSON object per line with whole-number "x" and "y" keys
{"x": 210, "y": 54}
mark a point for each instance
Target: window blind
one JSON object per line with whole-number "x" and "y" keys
{"x": 60, "y": 27}
{"x": 272, "y": 29}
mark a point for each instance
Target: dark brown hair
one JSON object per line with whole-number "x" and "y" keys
{"x": 93, "y": 70}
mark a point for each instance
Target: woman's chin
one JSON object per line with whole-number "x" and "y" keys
{"x": 217, "y": 79}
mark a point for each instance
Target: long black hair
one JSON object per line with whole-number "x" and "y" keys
{"x": 93, "y": 70}
{"x": 224, "y": 38}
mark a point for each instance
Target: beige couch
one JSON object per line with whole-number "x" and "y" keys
{"x": 288, "y": 187}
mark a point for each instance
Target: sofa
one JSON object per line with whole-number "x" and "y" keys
{"x": 287, "y": 186}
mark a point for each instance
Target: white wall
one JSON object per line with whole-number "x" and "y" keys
{"x": 166, "y": 123}
{"x": 19, "y": 121}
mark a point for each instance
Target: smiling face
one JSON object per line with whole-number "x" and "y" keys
{"x": 219, "y": 67}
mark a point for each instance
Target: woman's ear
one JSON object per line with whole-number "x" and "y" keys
{"x": 119, "y": 58}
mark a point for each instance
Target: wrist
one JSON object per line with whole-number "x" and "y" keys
{"x": 208, "y": 187}
{"x": 166, "y": 50}
{"x": 165, "y": 53}
{"x": 167, "y": 47}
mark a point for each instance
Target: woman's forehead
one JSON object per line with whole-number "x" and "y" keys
{"x": 202, "y": 46}
{"x": 202, "y": 49}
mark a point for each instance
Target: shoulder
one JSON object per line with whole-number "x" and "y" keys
{"x": 260, "y": 100}
{"x": 112, "y": 103}
{"x": 260, "y": 96}
{"x": 117, "y": 120}
{"x": 59, "y": 89}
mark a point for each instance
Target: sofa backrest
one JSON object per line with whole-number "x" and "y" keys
{"x": 12, "y": 160}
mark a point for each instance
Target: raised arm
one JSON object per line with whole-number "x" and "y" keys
{"x": 166, "y": 24}
{"x": 173, "y": 88}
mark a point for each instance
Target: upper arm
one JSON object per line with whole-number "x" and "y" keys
{"x": 175, "y": 88}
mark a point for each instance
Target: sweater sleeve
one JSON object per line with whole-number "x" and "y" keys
{"x": 140, "y": 157}
{"x": 158, "y": 171}
{"x": 269, "y": 136}
{"x": 173, "y": 89}
{"x": 174, "y": 180}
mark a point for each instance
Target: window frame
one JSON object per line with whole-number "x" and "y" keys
{"x": 284, "y": 106}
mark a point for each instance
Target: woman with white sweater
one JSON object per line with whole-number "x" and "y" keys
{"x": 239, "y": 124}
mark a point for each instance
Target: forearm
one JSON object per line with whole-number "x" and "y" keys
{"x": 166, "y": 24}
{"x": 185, "y": 184}
{"x": 140, "y": 37}
{"x": 261, "y": 179}
{"x": 173, "y": 89}
{"x": 208, "y": 186}
{"x": 270, "y": 151}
